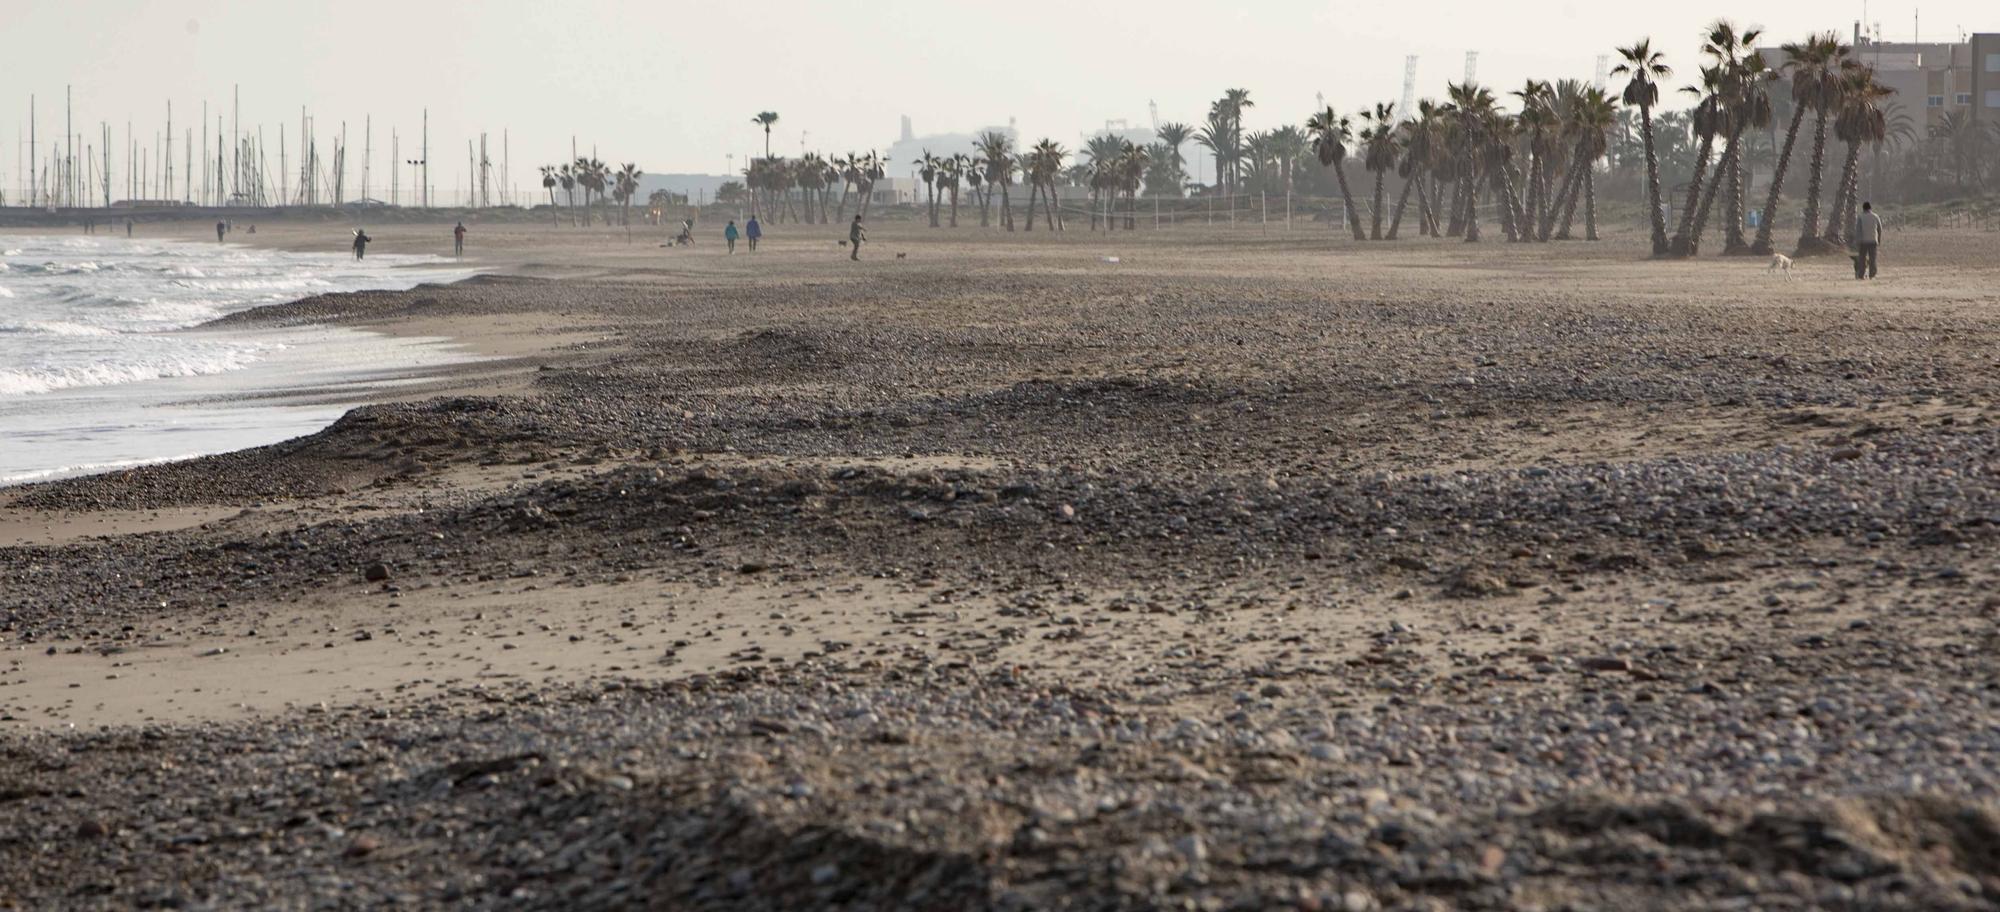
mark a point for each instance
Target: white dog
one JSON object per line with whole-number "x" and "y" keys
{"x": 1780, "y": 263}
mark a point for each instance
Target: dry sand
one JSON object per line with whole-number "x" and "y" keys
{"x": 1254, "y": 570}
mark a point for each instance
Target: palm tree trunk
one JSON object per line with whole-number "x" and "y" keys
{"x": 1534, "y": 200}
{"x": 1006, "y": 209}
{"x": 1552, "y": 165}
{"x": 1396, "y": 221}
{"x": 1845, "y": 202}
{"x": 1569, "y": 204}
{"x": 1050, "y": 210}
{"x": 1457, "y": 226}
{"x": 1732, "y": 210}
{"x": 1510, "y": 202}
{"x": 1375, "y": 230}
{"x": 1471, "y": 182}
{"x": 954, "y": 205}
{"x": 1034, "y": 190}
{"x": 1762, "y": 245}
{"x": 1681, "y": 246}
{"x": 555, "y": 215}
{"x": 1722, "y": 169}
{"x": 1659, "y": 216}
{"x": 1589, "y": 205}
{"x": 1434, "y": 204}
{"x": 985, "y": 206}
{"x": 1347, "y": 199}
{"x": 1425, "y": 226}
{"x": 1809, "y": 242}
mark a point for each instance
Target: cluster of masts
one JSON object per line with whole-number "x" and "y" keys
{"x": 233, "y": 167}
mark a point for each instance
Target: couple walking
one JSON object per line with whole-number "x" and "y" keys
{"x": 752, "y": 232}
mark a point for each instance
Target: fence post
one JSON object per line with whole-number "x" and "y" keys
{"x": 1264, "y": 207}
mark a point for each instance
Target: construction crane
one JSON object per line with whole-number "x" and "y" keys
{"x": 1409, "y": 85}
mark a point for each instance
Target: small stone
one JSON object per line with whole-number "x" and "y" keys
{"x": 376, "y": 573}
{"x": 1273, "y": 689}
{"x": 1605, "y": 663}
{"x": 825, "y": 874}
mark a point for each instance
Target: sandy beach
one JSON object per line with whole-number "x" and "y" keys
{"x": 1212, "y": 567}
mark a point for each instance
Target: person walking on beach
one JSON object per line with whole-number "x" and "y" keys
{"x": 855, "y": 235}
{"x": 753, "y": 231}
{"x": 1867, "y": 240}
{"x": 221, "y": 228}
{"x": 458, "y": 240}
{"x": 729, "y": 235}
{"x": 361, "y": 240}
{"x": 128, "y": 227}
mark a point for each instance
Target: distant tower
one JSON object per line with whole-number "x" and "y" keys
{"x": 1471, "y": 64}
{"x": 1603, "y": 71}
{"x": 1154, "y": 108}
{"x": 1409, "y": 85}
{"x": 1319, "y": 99}
{"x": 908, "y": 134}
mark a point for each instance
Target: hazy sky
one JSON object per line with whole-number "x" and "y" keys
{"x": 672, "y": 85}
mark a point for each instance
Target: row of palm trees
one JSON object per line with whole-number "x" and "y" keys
{"x": 1537, "y": 164}
{"x": 771, "y": 183}
{"x": 592, "y": 177}
{"x": 1732, "y": 97}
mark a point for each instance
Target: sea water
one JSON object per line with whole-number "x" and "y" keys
{"x": 103, "y": 363}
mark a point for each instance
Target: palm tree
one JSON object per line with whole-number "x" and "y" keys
{"x": 1473, "y": 104}
{"x": 996, "y": 156}
{"x": 1647, "y": 68}
{"x": 996, "y": 150}
{"x": 870, "y": 169}
{"x": 1596, "y": 115}
{"x": 1708, "y": 121}
{"x": 1498, "y": 165}
{"x": 628, "y": 186}
{"x": 567, "y": 177}
{"x": 549, "y": 184}
{"x": 927, "y": 171}
{"x": 1172, "y": 136}
{"x": 1235, "y": 101}
{"x": 1538, "y": 121}
{"x": 950, "y": 172}
{"x": 1418, "y": 148}
{"x": 1828, "y": 73}
{"x": 1378, "y": 154}
{"x": 1803, "y": 62}
{"x": 1861, "y": 121}
{"x": 1750, "y": 109}
{"x": 1043, "y": 165}
{"x": 1330, "y": 135}
{"x": 1218, "y": 135}
{"x": 766, "y": 118}
{"x": 1103, "y": 152}
{"x": 1130, "y": 170}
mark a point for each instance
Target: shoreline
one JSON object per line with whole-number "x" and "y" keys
{"x": 250, "y": 385}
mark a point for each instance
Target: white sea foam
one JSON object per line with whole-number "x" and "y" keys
{"x": 101, "y": 363}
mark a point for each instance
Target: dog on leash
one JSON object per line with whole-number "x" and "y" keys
{"x": 1780, "y": 263}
